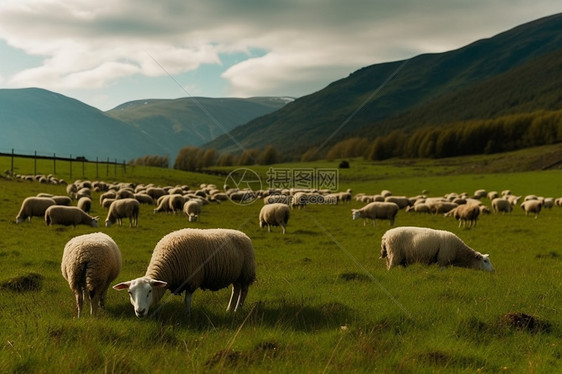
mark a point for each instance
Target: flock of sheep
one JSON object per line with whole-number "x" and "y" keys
{"x": 191, "y": 259}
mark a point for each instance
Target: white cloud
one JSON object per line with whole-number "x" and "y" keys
{"x": 307, "y": 43}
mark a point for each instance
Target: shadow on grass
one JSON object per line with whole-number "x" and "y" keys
{"x": 280, "y": 313}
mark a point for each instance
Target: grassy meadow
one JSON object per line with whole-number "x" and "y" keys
{"x": 323, "y": 301}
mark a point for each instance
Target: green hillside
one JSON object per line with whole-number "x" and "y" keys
{"x": 369, "y": 97}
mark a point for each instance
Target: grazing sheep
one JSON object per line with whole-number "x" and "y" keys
{"x": 407, "y": 245}
{"x": 192, "y": 209}
{"x": 144, "y": 198}
{"x": 188, "y": 259}
{"x": 500, "y": 204}
{"x": 62, "y": 200}
{"x": 440, "y": 207}
{"x": 34, "y": 207}
{"x": 277, "y": 198}
{"x": 176, "y": 202}
{"x": 85, "y": 203}
{"x": 107, "y": 203}
{"x": 299, "y": 200}
{"x": 376, "y": 210}
{"x": 276, "y": 214}
{"x": 480, "y": 194}
{"x": 124, "y": 193}
{"x": 123, "y": 208}
{"x": 68, "y": 215}
{"x": 401, "y": 201}
{"x": 107, "y": 195}
{"x": 418, "y": 208}
{"x": 89, "y": 264}
{"x": 532, "y": 206}
{"x": 465, "y": 214}
{"x": 162, "y": 204}
{"x": 548, "y": 202}
{"x": 156, "y": 192}
{"x": 558, "y": 202}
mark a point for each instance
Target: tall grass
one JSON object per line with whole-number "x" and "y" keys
{"x": 323, "y": 302}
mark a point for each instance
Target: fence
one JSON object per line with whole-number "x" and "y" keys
{"x": 71, "y": 162}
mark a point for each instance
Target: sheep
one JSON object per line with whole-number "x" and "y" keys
{"x": 89, "y": 264}
{"x": 188, "y": 259}
{"x": 34, "y": 207}
{"x": 192, "y": 209}
{"x": 62, "y": 200}
{"x": 377, "y": 209}
{"x": 276, "y": 214}
{"x": 107, "y": 195}
{"x": 407, "y": 245}
{"x": 558, "y": 202}
{"x": 162, "y": 204}
{"x": 418, "y": 208}
{"x": 441, "y": 207}
{"x": 500, "y": 204}
{"x": 123, "y": 208}
{"x": 532, "y": 206}
{"x": 85, "y": 203}
{"x": 144, "y": 198}
{"x": 465, "y": 214}
{"x": 176, "y": 202}
{"x": 401, "y": 201}
{"x": 548, "y": 202}
{"x": 68, "y": 215}
{"x": 277, "y": 198}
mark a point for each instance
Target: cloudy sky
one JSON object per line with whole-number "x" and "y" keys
{"x": 105, "y": 53}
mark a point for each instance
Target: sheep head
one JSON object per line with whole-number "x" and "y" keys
{"x": 140, "y": 293}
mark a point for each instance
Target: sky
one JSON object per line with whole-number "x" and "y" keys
{"x": 105, "y": 53}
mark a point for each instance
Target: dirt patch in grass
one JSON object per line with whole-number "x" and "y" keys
{"x": 231, "y": 358}
{"x": 524, "y": 322}
{"x": 351, "y": 276}
{"x": 23, "y": 283}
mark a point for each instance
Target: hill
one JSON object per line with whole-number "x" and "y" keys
{"x": 193, "y": 120}
{"x": 367, "y": 99}
{"x": 34, "y": 119}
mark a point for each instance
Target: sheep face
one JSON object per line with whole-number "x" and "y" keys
{"x": 193, "y": 217}
{"x": 483, "y": 262}
{"x": 140, "y": 293}
{"x": 355, "y": 213}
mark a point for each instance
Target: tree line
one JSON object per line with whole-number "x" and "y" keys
{"x": 502, "y": 134}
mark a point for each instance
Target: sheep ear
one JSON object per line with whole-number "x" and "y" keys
{"x": 122, "y": 286}
{"x": 157, "y": 283}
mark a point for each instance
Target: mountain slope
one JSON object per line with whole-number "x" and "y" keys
{"x": 333, "y": 112}
{"x": 195, "y": 120}
{"x": 34, "y": 119}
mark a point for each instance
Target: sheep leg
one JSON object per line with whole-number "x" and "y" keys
{"x": 284, "y": 230}
{"x": 234, "y": 298}
{"x": 243, "y": 293}
{"x": 188, "y": 302}
{"x": 79, "y": 301}
{"x": 94, "y": 301}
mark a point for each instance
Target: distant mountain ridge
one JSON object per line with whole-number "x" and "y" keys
{"x": 34, "y": 119}
{"x": 422, "y": 80}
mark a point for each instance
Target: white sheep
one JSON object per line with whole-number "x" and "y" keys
{"x": 407, "y": 245}
{"x": 466, "y": 214}
{"x": 276, "y": 214}
{"x": 89, "y": 264}
{"x": 501, "y": 204}
{"x": 192, "y": 209}
{"x": 68, "y": 215}
{"x": 123, "y": 208}
{"x": 188, "y": 259}
{"x": 532, "y": 206}
{"x": 176, "y": 202}
{"x": 34, "y": 207}
{"x": 85, "y": 203}
{"x": 401, "y": 201}
{"x": 162, "y": 204}
{"x": 376, "y": 210}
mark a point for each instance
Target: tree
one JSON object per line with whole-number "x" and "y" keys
{"x": 268, "y": 156}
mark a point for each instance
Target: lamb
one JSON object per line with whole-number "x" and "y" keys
{"x": 374, "y": 210}
{"x": 85, "y": 203}
{"x": 188, "y": 259}
{"x": 407, "y": 245}
{"x": 532, "y": 206}
{"x": 34, "y": 207}
{"x": 123, "y": 208}
{"x": 276, "y": 214}
{"x": 500, "y": 204}
{"x": 465, "y": 214}
{"x": 68, "y": 215}
{"x": 89, "y": 264}
{"x": 192, "y": 209}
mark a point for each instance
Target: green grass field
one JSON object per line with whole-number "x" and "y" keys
{"x": 323, "y": 301}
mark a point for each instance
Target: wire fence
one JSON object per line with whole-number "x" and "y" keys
{"x": 71, "y": 166}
